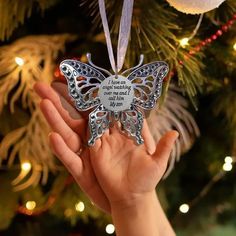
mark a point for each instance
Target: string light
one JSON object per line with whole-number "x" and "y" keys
{"x": 228, "y": 159}
{"x": 79, "y": 206}
{"x": 19, "y": 61}
{"x": 234, "y": 47}
{"x": 110, "y": 229}
{"x": 30, "y": 205}
{"x": 184, "y": 208}
{"x": 184, "y": 42}
{"x": 227, "y": 166}
{"x": 207, "y": 41}
{"x": 68, "y": 212}
{"x": 26, "y": 166}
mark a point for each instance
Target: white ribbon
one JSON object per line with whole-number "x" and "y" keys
{"x": 124, "y": 32}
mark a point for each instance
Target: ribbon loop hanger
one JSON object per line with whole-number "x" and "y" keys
{"x": 124, "y": 32}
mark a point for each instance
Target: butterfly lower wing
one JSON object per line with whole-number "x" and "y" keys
{"x": 83, "y": 83}
{"x": 99, "y": 122}
{"x": 132, "y": 122}
{"x": 147, "y": 83}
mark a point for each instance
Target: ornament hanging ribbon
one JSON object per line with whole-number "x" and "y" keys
{"x": 124, "y": 32}
{"x": 115, "y": 97}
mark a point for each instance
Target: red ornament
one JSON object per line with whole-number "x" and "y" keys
{"x": 219, "y": 32}
{"x": 224, "y": 28}
{"x": 197, "y": 48}
{"x": 191, "y": 52}
{"x": 214, "y": 37}
{"x": 187, "y": 56}
{"x": 207, "y": 41}
{"x": 230, "y": 22}
{"x": 169, "y": 76}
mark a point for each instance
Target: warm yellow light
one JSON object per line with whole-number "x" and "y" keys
{"x": 26, "y": 166}
{"x": 234, "y": 47}
{"x": 19, "y": 61}
{"x": 68, "y": 212}
{"x": 110, "y": 229}
{"x": 184, "y": 208}
{"x": 183, "y": 42}
{"x": 79, "y": 206}
{"x": 227, "y": 166}
{"x": 228, "y": 159}
{"x": 30, "y": 205}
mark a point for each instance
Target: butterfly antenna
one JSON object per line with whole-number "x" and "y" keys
{"x": 97, "y": 67}
{"x": 139, "y": 64}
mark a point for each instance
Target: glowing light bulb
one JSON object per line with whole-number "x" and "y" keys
{"x": 19, "y": 61}
{"x": 228, "y": 159}
{"x": 26, "y": 166}
{"x": 30, "y": 205}
{"x": 227, "y": 166}
{"x": 79, "y": 206}
{"x": 110, "y": 229}
{"x": 184, "y": 208}
{"x": 183, "y": 42}
{"x": 234, "y": 47}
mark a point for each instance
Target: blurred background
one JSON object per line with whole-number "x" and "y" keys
{"x": 198, "y": 193}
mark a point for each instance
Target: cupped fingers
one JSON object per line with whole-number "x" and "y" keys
{"x": 70, "y": 159}
{"x": 65, "y": 108}
{"x": 58, "y": 125}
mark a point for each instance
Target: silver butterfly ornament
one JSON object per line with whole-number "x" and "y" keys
{"x": 86, "y": 83}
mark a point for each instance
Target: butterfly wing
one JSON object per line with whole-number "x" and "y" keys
{"x": 99, "y": 122}
{"x": 83, "y": 83}
{"x": 147, "y": 83}
{"x": 132, "y": 122}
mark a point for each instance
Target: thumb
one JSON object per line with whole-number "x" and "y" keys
{"x": 164, "y": 148}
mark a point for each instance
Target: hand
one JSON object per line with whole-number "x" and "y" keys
{"x": 126, "y": 171}
{"x": 69, "y": 132}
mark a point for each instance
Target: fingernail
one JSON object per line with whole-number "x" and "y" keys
{"x": 177, "y": 134}
{"x": 151, "y": 150}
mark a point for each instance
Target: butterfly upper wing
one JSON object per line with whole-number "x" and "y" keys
{"x": 83, "y": 83}
{"x": 147, "y": 83}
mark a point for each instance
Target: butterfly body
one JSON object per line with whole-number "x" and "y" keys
{"x": 114, "y": 97}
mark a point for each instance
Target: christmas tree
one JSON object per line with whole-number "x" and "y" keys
{"x": 37, "y": 195}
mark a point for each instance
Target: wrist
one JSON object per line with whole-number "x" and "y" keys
{"x": 137, "y": 216}
{"x": 135, "y": 202}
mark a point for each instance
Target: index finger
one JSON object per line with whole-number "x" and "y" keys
{"x": 65, "y": 109}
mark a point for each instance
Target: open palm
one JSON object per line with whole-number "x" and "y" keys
{"x": 125, "y": 170}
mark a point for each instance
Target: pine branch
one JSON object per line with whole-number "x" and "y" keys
{"x": 224, "y": 74}
{"x": 153, "y": 33}
{"x": 173, "y": 114}
{"x": 223, "y": 13}
{"x": 14, "y": 12}
{"x": 38, "y": 54}
{"x": 30, "y": 141}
